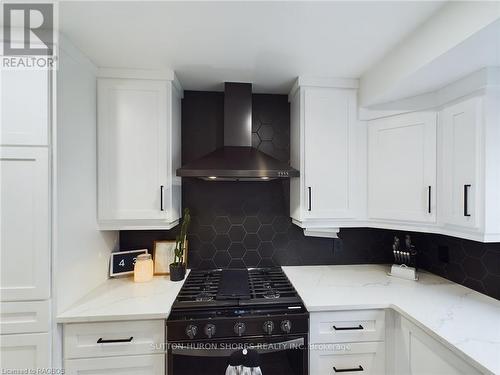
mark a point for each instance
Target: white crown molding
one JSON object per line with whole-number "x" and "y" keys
{"x": 326, "y": 82}
{"x": 128, "y": 73}
{"x": 476, "y": 83}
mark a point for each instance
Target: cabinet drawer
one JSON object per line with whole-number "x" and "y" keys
{"x": 134, "y": 365}
{"x": 347, "y": 326}
{"x": 24, "y": 317}
{"x": 363, "y": 358}
{"x": 113, "y": 338}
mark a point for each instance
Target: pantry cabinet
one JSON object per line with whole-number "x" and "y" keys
{"x": 25, "y": 107}
{"x": 402, "y": 168}
{"x": 327, "y": 147}
{"x": 25, "y": 351}
{"x": 138, "y": 153}
{"x": 25, "y": 223}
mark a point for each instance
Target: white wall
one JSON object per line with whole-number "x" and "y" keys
{"x": 449, "y": 27}
{"x": 82, "y": 251}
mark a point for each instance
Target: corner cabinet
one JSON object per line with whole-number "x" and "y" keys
{"x": 402, "y": 168}
{"x": 470, "y": 147}
{"x": 328, "y": 147}
{"x": 139, "y": 150}
{"x": 417, "y": 353}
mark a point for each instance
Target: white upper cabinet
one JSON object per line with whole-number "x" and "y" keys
{"x": 327, "y": 148}
{"x": 402, "y": 168}
{"x": 24, "y": 107}
{"x": 25, "y": 223}
{"x": 470, "y": 173}
{"x": 461, "y": 154}
{"x": 138, "y": 154}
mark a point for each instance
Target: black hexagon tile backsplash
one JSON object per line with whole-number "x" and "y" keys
{"x": 247, "y": 224}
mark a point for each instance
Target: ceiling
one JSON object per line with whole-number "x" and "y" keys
{"x": 266, "y": 43}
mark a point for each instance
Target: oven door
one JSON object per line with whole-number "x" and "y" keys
{"x": 278, "y": 355}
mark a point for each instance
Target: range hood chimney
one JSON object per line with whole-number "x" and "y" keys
{"x": 237, "y": 160}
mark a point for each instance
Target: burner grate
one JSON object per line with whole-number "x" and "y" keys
{"x": 265, "y": 285}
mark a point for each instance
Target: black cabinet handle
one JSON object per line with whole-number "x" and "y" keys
{"x": 101, "y": 341}
{"x": 347, "y": 328}
{"x": 161, "y": 198}
{"x": 356, "y": 369}
{"x": 466, "y": 200}
{"x": 309, "y": 189}
{"x": 429, "y": 198}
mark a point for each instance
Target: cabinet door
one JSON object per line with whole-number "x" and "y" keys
{"x": 402, "y": 167}
{"x": 25, "y": 246}
{"x": 131, "y": 365}
{"x": 30, "y": 351}
{"x": 417, "y": 353}
{"x": 132, "y": 149}
{"x": 461, "y": 157}
{"x": 329, "y": 152}
{"x": 25, "y": 107}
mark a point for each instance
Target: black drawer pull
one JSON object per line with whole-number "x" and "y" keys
{"x": 429, "y": 199}
{"x": 347, "y": 328}
{"x": 356, "y": 369}
{"x": 466, "y": 200}
{"x": 101, "y": 341}
{"x": 309, "y": 190}
{"x": 161, "y": 198}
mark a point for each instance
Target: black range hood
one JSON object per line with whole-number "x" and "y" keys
{"x": 237, "y": 160}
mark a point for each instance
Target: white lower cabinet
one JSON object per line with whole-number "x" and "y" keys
{"x": 130, "y": 365}
{"x": 24, "y": 317}
{"x": 25, "y": 351}
{"x": 417, "y": 353}
{"x": 363, "y": 357}
{"x": 377, "y": 342}
{"x": 347, "y": 342}
{"x": 124, "y": 347}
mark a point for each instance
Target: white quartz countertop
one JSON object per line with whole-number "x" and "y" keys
{"x": 122, "y": 299}
{"x": 466, "y": 321}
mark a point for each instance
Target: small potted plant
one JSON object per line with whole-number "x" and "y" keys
{"x": 178, "y": 268}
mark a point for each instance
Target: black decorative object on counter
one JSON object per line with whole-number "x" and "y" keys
{"x": 178, "y": 267}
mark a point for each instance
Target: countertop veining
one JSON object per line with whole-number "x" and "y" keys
{"x": 122, "y": 299}
{"x": 457, "y": 316}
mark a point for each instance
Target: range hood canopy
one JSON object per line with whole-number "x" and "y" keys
{"x": 237, "y": 160}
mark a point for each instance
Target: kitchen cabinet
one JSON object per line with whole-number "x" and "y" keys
{"x": 139, "y": 145}
{"x": 327, "y": 148}
{"x": 25, "y": 351}
{"x": 135, "y": 365}
{"x": 470, "y": 172}
{"x": 24, "y": 317}
{"x": 347, "y": 341}
{"x": 125, "y": 347}
{"x": 417, "y": 353}
{"x": 25, "y": 107}
{"x": 25, "y": 223}
{"x": 461, "y": 152}
{"x": 402, "y": 168}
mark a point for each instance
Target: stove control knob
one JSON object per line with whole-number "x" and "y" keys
{"x": 191, "y": 331}
{"x": 210, "y": 330}
{"x": 286, "y": 326}
{"x": 239, "y": 328}
{"x": 268, "y": 327}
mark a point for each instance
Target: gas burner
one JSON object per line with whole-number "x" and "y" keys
{"x": 204, "y": 296}
{"x": 271, "y": 293}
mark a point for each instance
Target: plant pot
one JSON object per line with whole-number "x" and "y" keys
{"x": 177, "y": 271}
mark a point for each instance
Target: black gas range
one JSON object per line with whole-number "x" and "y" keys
{"x": 220, "y": 312}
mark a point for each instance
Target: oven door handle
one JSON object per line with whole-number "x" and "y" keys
{"x": 177, "y": 349}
